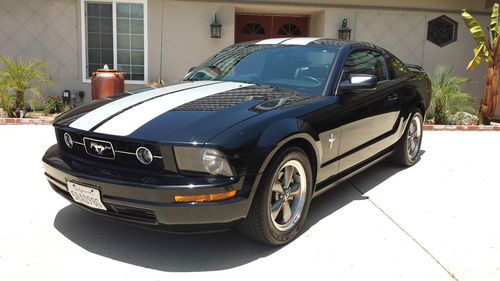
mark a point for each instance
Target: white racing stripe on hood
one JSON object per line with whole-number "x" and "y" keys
{"x": 96, "y": 116}
{"x": 127, "y": 122}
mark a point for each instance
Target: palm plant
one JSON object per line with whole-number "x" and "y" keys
{"x": 448, "y": 97}
{"x": 489, "y": 49}
{"x": 19, "y": 76}
{"x": 6, "y": 102}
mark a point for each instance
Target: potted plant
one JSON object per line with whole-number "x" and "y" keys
{"x": 19, "y": 76}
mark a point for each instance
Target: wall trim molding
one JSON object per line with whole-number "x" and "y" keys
{"x": 341, "y": 6}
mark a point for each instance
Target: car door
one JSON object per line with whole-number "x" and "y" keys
{"x": 368, "y": 116}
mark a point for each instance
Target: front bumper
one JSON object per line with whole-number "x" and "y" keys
{"x": 149, "y": 200}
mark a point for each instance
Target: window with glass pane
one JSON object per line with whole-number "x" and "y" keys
{"x": 130, "y": 40}
{"x": 365, "y": 62}
{"x": 115, "y": 37}
{"x": 99, "y": 36}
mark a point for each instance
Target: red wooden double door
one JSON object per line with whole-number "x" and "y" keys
{"x": 259, "y": 27}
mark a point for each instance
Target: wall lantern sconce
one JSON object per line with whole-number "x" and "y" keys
{"x": 344, "y": 31}
{"x": 215, "y": 28}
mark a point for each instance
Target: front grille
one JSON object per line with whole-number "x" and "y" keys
{"x": 122, "y": 153}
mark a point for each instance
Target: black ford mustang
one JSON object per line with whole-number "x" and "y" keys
{"x": 247, "y": 139}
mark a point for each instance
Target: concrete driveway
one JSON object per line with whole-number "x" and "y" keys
{"x": 438, "y": 220}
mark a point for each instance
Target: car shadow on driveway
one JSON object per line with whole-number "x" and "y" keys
{"x": 197, "y": 252}
{"x": 343, "y": 194}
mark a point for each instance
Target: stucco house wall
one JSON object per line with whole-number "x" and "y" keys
{"x": 178, "y": 33}
{"x": 45, "y": 30}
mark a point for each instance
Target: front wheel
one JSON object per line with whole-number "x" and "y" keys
{"x": 407, "y": 151}
{"x": 282, "y": 201}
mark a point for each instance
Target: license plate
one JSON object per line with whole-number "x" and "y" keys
{"x": 86, "y": 195}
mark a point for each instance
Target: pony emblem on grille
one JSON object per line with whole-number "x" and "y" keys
{"x": 99, "y": 148}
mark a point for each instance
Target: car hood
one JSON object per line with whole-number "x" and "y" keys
{"x": 180, "y": 113}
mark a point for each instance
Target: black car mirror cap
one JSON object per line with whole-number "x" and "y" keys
{"x": 359, "y": 82}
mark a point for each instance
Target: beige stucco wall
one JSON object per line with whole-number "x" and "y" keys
{"x": 45, "y": 30}
{"x": 186, "y": 35}
{"x": 458, "y": 55}
{"x": 474, "y": 5}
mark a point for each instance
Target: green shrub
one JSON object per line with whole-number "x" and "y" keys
{"x": 53, "y": 105}
{"x": 448, "y": 97}
{"x": 7, "y": 103}
{"x": 37, "y": 104}
{"x": 66, "y": 107}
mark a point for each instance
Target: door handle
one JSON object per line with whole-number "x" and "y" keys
{"x": 392, "y": 97}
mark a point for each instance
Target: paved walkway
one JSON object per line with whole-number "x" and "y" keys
{"x": 435, "y": 221}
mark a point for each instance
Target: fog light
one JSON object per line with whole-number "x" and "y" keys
{"x": 68, "y": 140}
{"x": 144, "y": 155}
{"x": 205, "y": 197}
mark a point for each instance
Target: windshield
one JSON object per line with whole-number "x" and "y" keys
{"x": 300, "y": 68}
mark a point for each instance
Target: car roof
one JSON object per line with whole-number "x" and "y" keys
{"x": 311, "y": 41}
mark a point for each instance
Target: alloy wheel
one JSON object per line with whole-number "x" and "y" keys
{"x": 288, "y": 195}
{"x": 414, "y": 137}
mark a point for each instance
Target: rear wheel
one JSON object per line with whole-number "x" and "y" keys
{"x": 282, "y": 200}
{"x": 407, "y": 151}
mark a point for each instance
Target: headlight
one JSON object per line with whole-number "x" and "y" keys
{"x": 213, "y": 161}
{"x": 202, "y": 160}
{"x": 144, "y": 155}
{"x": 68, "y": 140}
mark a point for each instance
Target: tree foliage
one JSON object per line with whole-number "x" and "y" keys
{"x": 487, "y": 48}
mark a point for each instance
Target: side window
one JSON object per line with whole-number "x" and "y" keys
{"x": 365, "y": 62}
{"x": 396, "y": 67}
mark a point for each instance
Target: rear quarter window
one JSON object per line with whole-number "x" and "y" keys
{"x": 396, "y": 67}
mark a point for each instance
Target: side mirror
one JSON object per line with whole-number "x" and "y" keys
{"x": 359, "y": 82}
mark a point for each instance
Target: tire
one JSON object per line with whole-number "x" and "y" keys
{"x": 280, "y": 206}
{"x": 407, "y": 149}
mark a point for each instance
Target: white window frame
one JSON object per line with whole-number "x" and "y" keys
{"x": 115, "y": 50}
